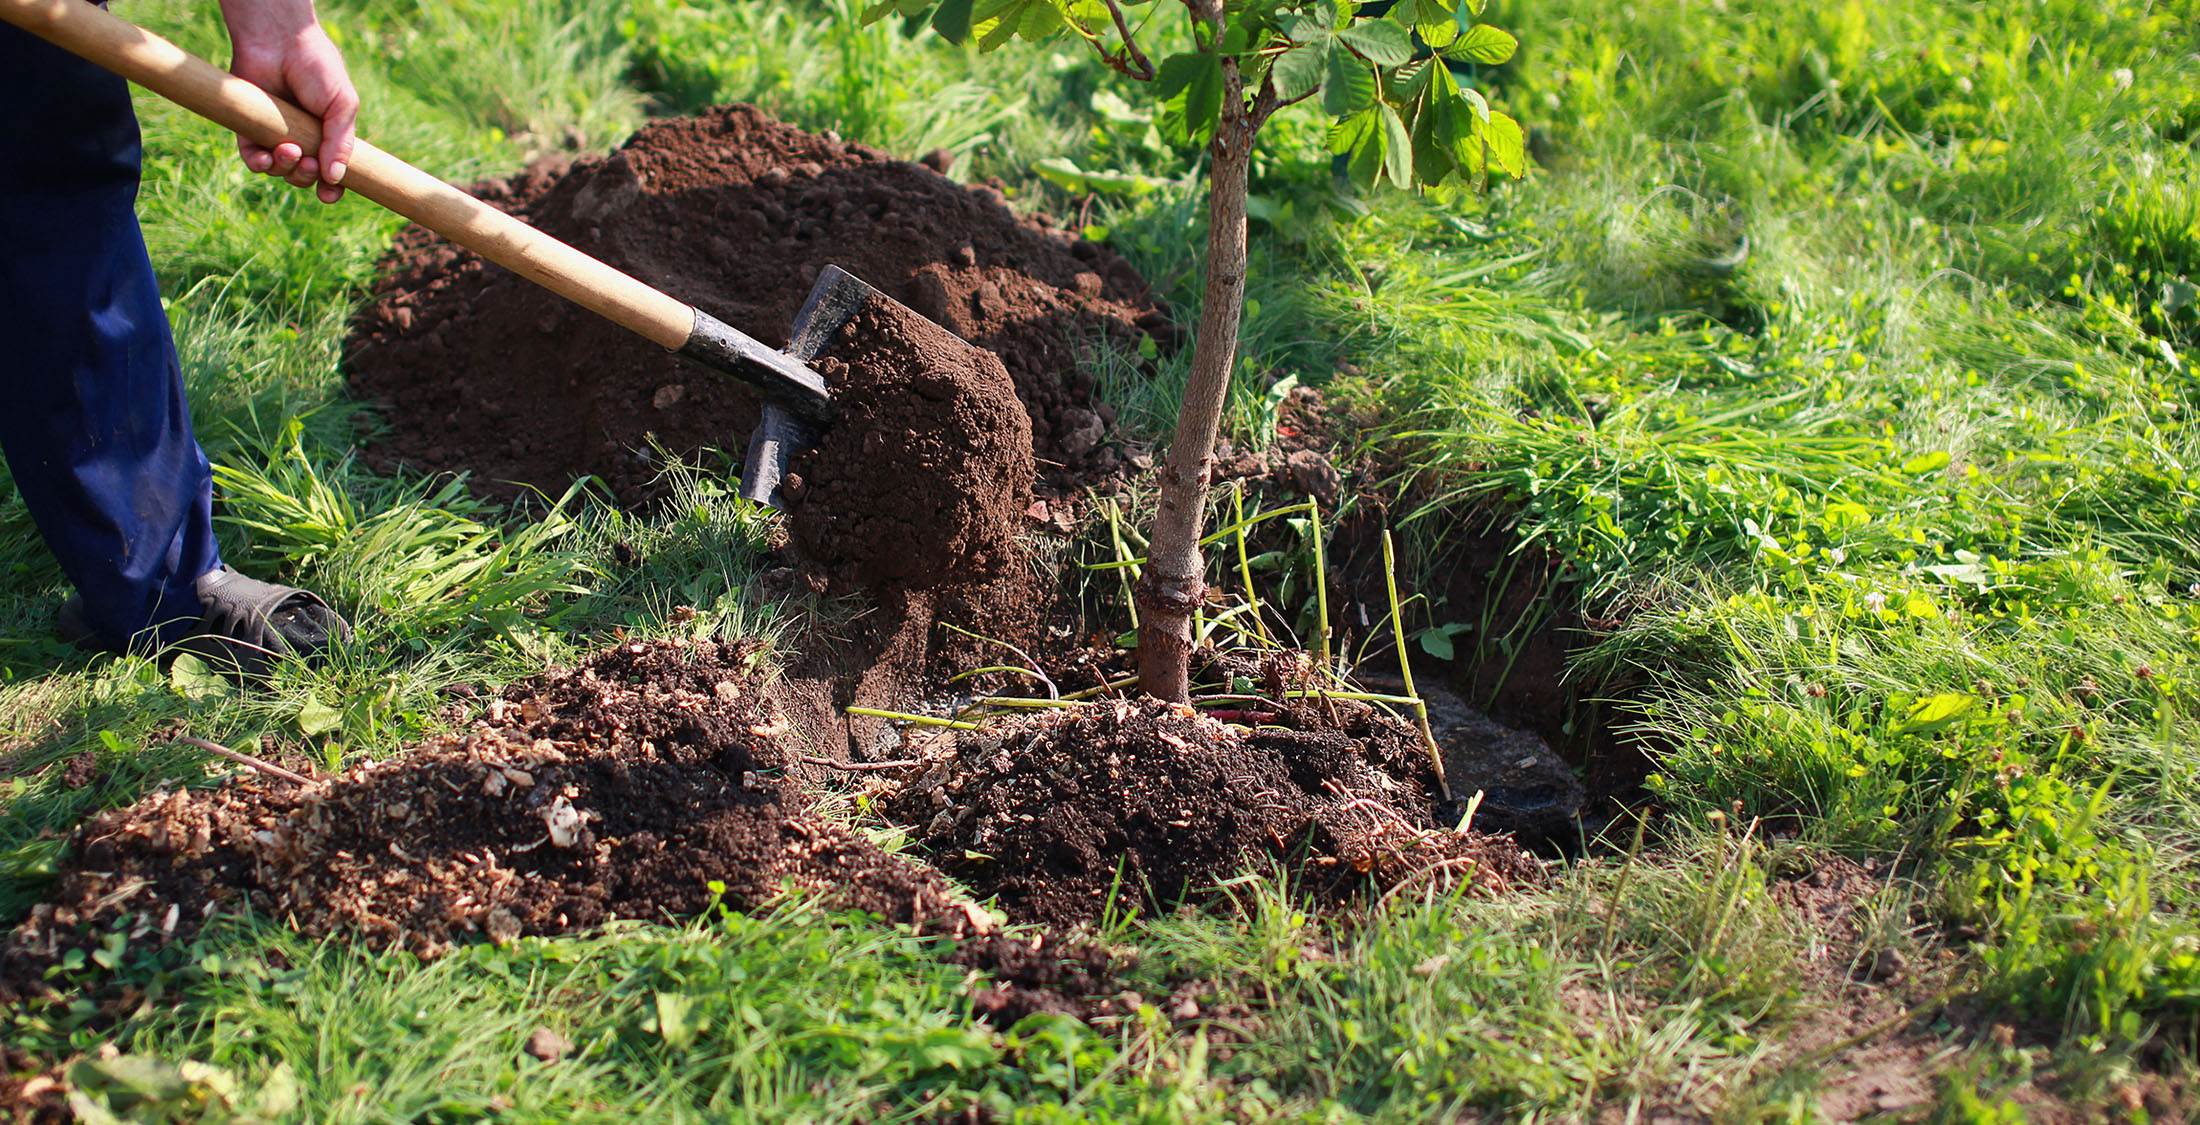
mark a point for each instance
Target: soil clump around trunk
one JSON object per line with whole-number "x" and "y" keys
{"x": 1148, "y": 805}
{"x": 480, "y": 371}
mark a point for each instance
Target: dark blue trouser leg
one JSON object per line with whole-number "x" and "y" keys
{"x": 92, "y": 411}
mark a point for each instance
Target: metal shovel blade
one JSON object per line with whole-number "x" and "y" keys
{"x": 833, "y": 301}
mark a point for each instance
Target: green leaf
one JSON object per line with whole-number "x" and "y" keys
{"x": 1437, "y": 645}
{"x": 1298, "y": 71}
{"x": 1439, "y": 34}
{"x": 1346, "y": 135}
{"x": 673, "y": 1011}
{"x": 1432, "y": 151}
{"x": 2178, "y": 295}
{"x": 1397, "y": 147}
{"x": 952, "y": 20}
{"x": 1175, "y": 73}
{"x": 1407, "y": 82}
{"x": 1064, "y": 172}
{"x": 136, "y": 1076}
{"x": 193, "y": 680}
{"x": 1926, "y": 462}
{"x": 1349, "y": 86}
{"x": 1365, "y": 162}
{"x": 1935, "y": 711}
{"x": 955, "y": 1048}
{"x": 1508, "y": 148}
{"x": 879, "y": 11}
{"x": 1306, "y": 29}
{"x": 1471, "y": 96}
{"x": 1484, "y": 44}
{"x": 1040, "y": 21}
{"x": 1379, "y": 41}
{"x": 1203, "y": 97}
{"x": 316, "y": 717}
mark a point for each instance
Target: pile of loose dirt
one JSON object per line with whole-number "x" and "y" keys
{"x": 624, "y": 788}
{"x": 481, "y": 371}
{"x": 1158, "y": 804}
{"x": 924, "y": 475}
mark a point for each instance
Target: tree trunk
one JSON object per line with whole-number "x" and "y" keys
{"x": 1174, "y": 584}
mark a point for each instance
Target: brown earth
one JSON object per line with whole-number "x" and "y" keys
{"x": 32, "y": 1090}
{"x": 622, "y": 788}
{"x": 477, "y": 370}
{"x": 1155, "y": 804}
{"x": 924, "y": 475}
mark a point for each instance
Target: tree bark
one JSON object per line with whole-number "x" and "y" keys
{"x": 1174, "y": 584}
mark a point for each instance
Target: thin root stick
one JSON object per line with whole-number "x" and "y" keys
{"x": 1053, "y": 692}
{"x": 920, "y": 720}
{"x": 266, "y": 767}
{"x": 1103, "y": 689}
{"x": 1321, "y": 594}
{"x": 1405, "y": 666}
{"x": 860, "y": 767}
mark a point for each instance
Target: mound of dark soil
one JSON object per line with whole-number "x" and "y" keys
{"x": 925, "y": 473}
{"x": 1158, "y": 804}
{"x": 624, "y": 788}
{"x": 481, "y": 371}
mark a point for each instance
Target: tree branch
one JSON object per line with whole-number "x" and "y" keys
{"x": 1265, "y": 103}
{"x": 1131, "y": 54}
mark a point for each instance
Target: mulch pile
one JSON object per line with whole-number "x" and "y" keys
{"x": 1156, "y": 804}
{"x": 478, "y": 370}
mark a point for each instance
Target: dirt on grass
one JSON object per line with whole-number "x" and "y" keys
{"x": 480, "y": 371}
{"x": 646, "y": 783}
{"x": 1141, "y": 806}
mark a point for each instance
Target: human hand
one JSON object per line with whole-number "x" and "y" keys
{"x": 278, "y": 45}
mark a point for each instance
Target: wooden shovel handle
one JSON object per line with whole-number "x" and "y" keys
{"x": 235, "y": 104}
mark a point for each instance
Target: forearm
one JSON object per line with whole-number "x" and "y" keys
{"x": 267, "y": 24}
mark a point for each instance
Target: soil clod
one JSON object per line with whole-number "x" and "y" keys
{"x": 925, "y": 473}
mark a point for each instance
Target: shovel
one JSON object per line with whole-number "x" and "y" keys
{"x": 797, "y": 403}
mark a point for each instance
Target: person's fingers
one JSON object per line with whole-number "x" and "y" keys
{"x": 299, "y": 63}
{"x": 256, "y": 156}
{"x": 286, "y": 159}
{"x": 305, "y": 173}
{"x": 339, "y": 125}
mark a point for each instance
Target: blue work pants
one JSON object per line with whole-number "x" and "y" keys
{"x": 92, "y": 412}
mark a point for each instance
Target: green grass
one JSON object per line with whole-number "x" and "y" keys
{"x": 1893, "y": 518}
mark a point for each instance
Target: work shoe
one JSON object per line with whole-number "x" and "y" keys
{"x": 247, "y": 624}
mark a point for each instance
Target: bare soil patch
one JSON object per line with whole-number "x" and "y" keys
{"x": 480, "y": 371}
